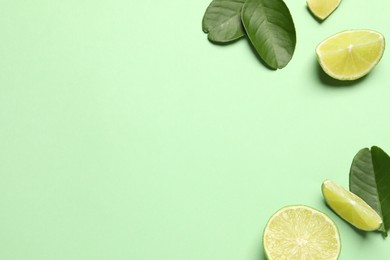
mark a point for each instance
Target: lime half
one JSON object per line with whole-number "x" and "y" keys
{"x": 301, "y": 232}
{"x": 322, "y": 8}
{"x": 350, "y": 55}
{"x": 350, "y": 207}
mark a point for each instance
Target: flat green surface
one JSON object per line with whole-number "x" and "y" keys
{"x": 125, "y": 134}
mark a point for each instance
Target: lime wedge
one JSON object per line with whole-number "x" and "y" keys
{"x": 350, "y": 55}
{"x": 301, "y": 232}
{"x": 350, "y": 207}
{"x": 322, "y": 8}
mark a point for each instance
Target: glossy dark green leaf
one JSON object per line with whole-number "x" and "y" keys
{"x": 369, "y": 178}
{"x": 222, "y": 21}
{"x": 270, "y": 28}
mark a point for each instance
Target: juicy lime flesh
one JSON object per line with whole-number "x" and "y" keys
{"x": 300, "y": 232}
{"x": 350, "y": 207}
{"x": 351, "y": 54}
{"x": 322, "y": 8}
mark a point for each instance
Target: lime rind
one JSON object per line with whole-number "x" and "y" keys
{"x": 360, "y": 74}
{"x": 350, "y": 207}
{"x": 322, "y": 214}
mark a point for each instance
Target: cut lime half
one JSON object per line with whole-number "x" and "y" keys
{"x": 322, "y": 8}
{"x": 301, "y": 232}
{"x": 350, "y": 55}
{"x": 350, "y": 207}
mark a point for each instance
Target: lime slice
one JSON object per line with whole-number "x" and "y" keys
{"x": 322, "y": 8}
{"x": 350, "y": 55}
{"x": 350, "y": 207}
{"x": 300, "y": 232}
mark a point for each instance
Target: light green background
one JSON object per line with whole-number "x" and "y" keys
{"x": 125, "y": 134}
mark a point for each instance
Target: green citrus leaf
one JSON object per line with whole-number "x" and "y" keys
{"x": 270, "y": 28}
{"x": 222, "y": 21}
{"x": 369, "y": 178}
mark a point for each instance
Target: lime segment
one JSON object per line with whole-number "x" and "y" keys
{"x": 322, "y": 8}
{"x": 350, "y": 207}
{"x": 350, "y": 55}
{"x": 301, "y": 232}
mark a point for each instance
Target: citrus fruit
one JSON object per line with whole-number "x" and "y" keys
{"x": 301, "y": 232}
{"x": 350, "y": 207}
{"x": 322, "y": 8}
{"x": 352, "y": 54}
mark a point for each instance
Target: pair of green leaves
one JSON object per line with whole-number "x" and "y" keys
{"x": 267, "y": 23}
{"x": 369, "y": 178}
